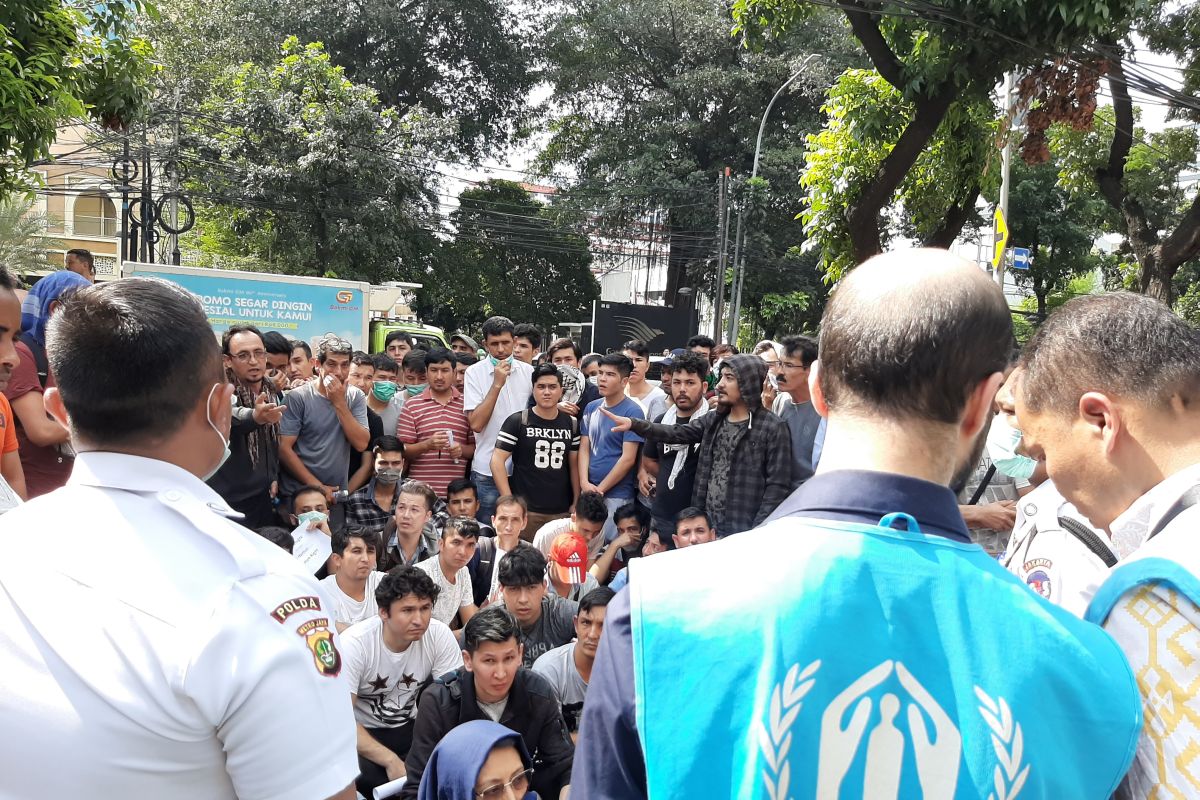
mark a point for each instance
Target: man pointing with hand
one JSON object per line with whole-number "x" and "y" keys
{"x": 249, "y": 480}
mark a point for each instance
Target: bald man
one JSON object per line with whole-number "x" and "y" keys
{"x": 868, "y": 648}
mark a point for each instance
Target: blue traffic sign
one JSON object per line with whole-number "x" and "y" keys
{"x": 1021, "y": 258}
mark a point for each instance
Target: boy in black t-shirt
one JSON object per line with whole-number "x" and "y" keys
{"x": 543, "y": 443}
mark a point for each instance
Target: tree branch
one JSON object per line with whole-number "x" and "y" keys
{"x": 956, "y": 217}
{"x": 1110, "y": 177}
{"x": 866, "y": 29}
{"x": 1183, "y": 244}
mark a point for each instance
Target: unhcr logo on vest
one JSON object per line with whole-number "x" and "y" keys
{"x": 905, "y": 720}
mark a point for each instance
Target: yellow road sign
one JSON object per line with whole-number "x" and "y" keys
{"x": 1000, "y": 238}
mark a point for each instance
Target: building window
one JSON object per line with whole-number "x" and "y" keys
{"x": 94, "y": 215}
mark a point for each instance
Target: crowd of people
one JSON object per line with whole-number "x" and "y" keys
{"x": 935, "y": 564}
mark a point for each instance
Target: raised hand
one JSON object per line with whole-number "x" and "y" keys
{"x": 266, "y": 412}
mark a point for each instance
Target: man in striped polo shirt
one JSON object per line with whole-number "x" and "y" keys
{"x": 438, "y": 441}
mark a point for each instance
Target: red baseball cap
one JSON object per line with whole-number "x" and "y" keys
{"x": 568, "y": 555}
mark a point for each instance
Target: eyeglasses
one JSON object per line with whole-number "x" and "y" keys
{"x": 519, "y": 784}
{"x": 247, "y": 355}
{"x": 792, "y": 365}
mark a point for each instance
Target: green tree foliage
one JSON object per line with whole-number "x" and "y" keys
{"x": 466, "y": 62}
{"x": 1057, "y": 226}
{"x": 510, "y": 256}
{"x": 1138, "y": 174}
{"x": 303, "y": 169}
{"x": 940, "y": 59}
{"x": 23, "y": 248}
{"x": 652, "y": 99}
{"x": 61, "y": 61}
{"x": 865, "y": 116}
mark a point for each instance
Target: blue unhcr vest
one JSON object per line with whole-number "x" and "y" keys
{"x": 814, "y": 659}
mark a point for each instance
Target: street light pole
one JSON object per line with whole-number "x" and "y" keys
{"x": 739, "y": 269}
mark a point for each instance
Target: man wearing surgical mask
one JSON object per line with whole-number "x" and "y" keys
{"x": 149, "y": 553}
{"x": 371, "y": 506}
{"x": 989, "y": 498}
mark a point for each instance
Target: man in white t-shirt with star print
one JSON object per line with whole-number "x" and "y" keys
{"x": 388, "y": 660}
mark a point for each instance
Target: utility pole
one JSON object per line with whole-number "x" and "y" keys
{"x": 1005, "y": 171}
{"x": 722, "y": 250}
{"x": 175, "y": 254}
{"x": 125, "y": 162}
{"x": 739, "y": 269}
{"x": 145, "y": 207}
{"x": 650, "y": 258}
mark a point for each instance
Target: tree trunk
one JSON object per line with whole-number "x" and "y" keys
{"x": 956, "y": 217}
{"x": 1154, "y": 276}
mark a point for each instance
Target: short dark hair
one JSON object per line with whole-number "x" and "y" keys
{"x": 632, "y": 509}
{"x": 590, "y": 506}
{"x": 596, "y": 598}
{"x": 438, "y": 355}
{"x": 388, "y": 444}
{"x": 692, "y": 363}
{"x": 619, "y": 360}
{"x": 132, "y": 358}
{"x": 83, "y": 255}
{"x": 693, "y": 512}
{"x": 525, "y": 566}
{"x": 421, "y": 488}
{"x": 1125, "y": 344}
{"x": 464, "y": 526}
{"x": 303, "y": 345}
{"x": 341, "y": 539}
{"x": 589, "y": 359}
{"x": 233, "y": 331}
{"x": 277, "y": 344}
{"x": 397, "y": 335}
{"x": 546, "y": 370}
{"x": 361, "y": 359}
{"x": 415, "y": 361}
{"x": 495, "y": 326}
{"x": 386, "y": 363}
{"x": 492, "y": 624}
{"x": 527, "y": 330}
{"x": 803, "y": 346}
{"x": 401, "y": 582}
{"x": 638, "y": 347}
{"x": 724, "y": 351}
{"x": 921, "y": 362}
{"x": 308, "y": 489}
{"x": 664, "y": 538}
{"x": 564, "y": 343}
{"x": 461, "y": 485}
{"x": 701, "y": 340}
{"x": 512, "y": 500}
{"x": 277, "y": 536}
{"x": 7, "y": 280}
{"x": 466, "y": 359}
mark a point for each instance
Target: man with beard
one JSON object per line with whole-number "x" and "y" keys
{"x": 669, "y": 470}
{"x": 745, "y": 465}
{"x": 955, "y": 653}
{"x": 249, "y": 480}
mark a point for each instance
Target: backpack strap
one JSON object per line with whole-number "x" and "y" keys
{"x": 1190, "y": 498}
{"x": 41, "y": 363}
{"x": 1088, "y": 538}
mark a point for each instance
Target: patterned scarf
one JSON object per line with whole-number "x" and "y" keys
{"x": 263, "y": 436}
{"x": 680, "y": 450}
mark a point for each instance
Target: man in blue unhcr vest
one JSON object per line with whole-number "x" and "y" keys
{"x": 1108, "y": 395}
{"x": 870, "y": 649}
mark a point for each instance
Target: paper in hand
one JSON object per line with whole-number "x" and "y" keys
{"x": 311, "y": 547}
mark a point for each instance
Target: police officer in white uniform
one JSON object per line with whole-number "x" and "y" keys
{"x": 150, "y": 646}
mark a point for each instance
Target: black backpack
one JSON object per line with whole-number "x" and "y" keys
{"x": 40, "y": 362}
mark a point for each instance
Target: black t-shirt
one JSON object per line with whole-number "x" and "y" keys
{"x": 375, "y": 429}
{"x": 667, "y": 501}
{"x": 541, "y": 472}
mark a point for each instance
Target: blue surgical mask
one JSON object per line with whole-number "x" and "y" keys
{"x": 221, "y": 436}
{"x": 496, "y": 361}
{"x": 414, "y": 389}
{"x": 384, "y": 391}
{"x": 1002, "y": 442}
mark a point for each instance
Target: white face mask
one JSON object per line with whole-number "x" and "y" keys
{"x": 1002, "y": 442}
{"x": 221, "y": 436}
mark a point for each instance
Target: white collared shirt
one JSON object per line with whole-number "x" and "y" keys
{"x": 152, "y": 647}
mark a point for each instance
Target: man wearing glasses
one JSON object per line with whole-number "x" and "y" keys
{"x": 794, "y": 405}
{"x": 249, "y": 480}
{"x": 324, "y": 419}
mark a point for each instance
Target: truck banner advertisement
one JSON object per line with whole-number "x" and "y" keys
{"x": 299, "y": 308}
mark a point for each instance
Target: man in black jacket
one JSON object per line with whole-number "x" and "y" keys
{"x": 493, "y": 685}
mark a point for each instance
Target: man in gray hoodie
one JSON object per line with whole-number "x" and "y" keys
{"x": 745, "y": 466}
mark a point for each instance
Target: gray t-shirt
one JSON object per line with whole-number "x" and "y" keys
{"x": 718, "y": 480}
{"x": 554, "y": 628}
{"x": 390, "y": 415}
{"x": 803, "y": 421}
{"x": 320, "y": 442}
{"x": 558, "y": 667}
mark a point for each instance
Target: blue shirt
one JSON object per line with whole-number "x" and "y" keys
{"x": 605, "y": 445}
{"x": 610, "y": 764}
